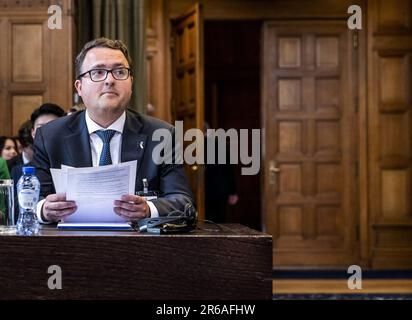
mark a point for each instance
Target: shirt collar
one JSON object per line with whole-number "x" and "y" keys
{"x": 118, "y": 125}
{"x": 25, "y": 158}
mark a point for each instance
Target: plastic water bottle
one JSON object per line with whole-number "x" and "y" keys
{"x": 28, "y": 190}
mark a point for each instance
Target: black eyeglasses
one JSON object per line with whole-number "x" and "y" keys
{"x": 98, "y": 75}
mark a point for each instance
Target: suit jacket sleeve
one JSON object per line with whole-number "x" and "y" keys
{"x": 174, "y": 188}
{"x": 42, "y": 164}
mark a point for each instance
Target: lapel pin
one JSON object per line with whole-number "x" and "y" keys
{"x": 141, "y": 144}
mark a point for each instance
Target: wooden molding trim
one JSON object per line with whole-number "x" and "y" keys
{"x": 398, "y": 286}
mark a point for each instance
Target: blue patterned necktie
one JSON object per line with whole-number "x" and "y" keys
{"x": 106, "y": 136}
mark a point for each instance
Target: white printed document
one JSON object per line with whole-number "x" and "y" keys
{"x": 94, "y": 190}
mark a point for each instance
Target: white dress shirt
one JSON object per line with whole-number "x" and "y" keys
{"x": 25, "y": 158}
{"x": 96, "y": 146}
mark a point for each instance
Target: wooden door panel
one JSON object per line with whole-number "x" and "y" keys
{"x": 388, "y": 222}
{"x": 289, "y": 52}
{"x": 22, "y": 107}
{"x": 310, "y": 149}
{"x": 27, "y": 38}
{"x": 35, "y": 61}
{"x": 188, "y": 89}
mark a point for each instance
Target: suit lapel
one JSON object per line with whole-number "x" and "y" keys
{"x": 78, "y": 143}
{"x": 133, "y": 141}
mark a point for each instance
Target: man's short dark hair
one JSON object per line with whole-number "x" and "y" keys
{"x": 47, "y": 108}
{"x": 100, "y": 43}
{"x": 24, "y": 134}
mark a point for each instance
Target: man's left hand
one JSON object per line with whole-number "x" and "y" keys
{"x": 132, "y": 207}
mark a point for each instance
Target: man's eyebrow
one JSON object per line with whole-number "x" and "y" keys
{"x": 102, "y": 65}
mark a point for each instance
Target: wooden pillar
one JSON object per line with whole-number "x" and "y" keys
{"x": 158, "y": 60}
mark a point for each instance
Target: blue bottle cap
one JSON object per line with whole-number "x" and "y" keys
{"x": 28, "y": 170}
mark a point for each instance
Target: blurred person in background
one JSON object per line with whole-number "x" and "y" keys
{"x": 46, "y": 113}
{"x": 26, "y": 142}
{"x": 8, "y": 148}
{"x": 18, "y": 144}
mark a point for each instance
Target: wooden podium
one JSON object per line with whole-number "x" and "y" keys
{"x": 227, "y": 261}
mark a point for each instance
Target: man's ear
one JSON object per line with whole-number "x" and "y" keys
{"x": 78, "y": 86}
{"x": 131, "y": 83}
{"x": 33, "y": 133}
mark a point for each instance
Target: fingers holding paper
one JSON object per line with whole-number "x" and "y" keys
{"x": 132, "y": 207}
{"x": 56, "y": 208}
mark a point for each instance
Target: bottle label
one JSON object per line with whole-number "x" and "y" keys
{"x": 27, "y": 198}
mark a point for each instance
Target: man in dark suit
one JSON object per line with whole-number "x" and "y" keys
{"x": 44, "y": 114}
{"x": 107, "y": 132}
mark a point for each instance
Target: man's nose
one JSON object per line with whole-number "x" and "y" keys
{"x": 109, "y": 79}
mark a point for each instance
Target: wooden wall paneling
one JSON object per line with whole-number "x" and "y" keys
{"x": 18, "y": 5}
{"x": 373, "y": 129}
{"x": 158, "y": 59}
{"x": 60, "y": 43}
{"x": 37, "y": 61}
{"x": 390, "y": 140}
{"x": 21, "y": 108}
{"x": 13, "y": 17}
{"x": 263, "y": 9}
{"x": 360, "y": 88}
{"x": 3, "y": 74}
{"x": 391, "y": 17}
{"x": 27, "y": 71}
{"x": 26, "y": 40}
{"x": 188, "y": 84}
{"x": 158, "y": 32}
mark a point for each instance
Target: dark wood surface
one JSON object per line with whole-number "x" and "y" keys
{"x": 227, "y": 261}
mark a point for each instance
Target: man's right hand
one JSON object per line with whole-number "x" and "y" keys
{"x": 56, "y": 208}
